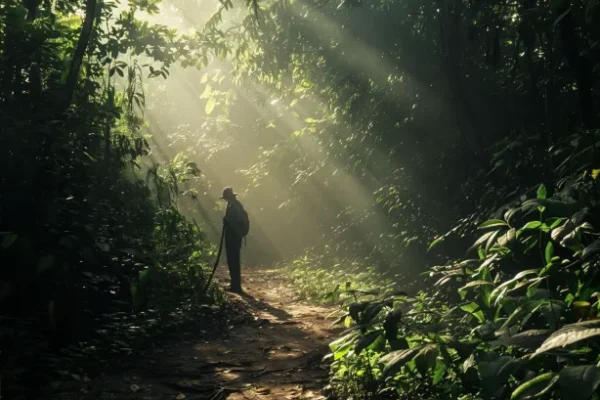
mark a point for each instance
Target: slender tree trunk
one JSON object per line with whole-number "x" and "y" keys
{"x": 80, "y": 50}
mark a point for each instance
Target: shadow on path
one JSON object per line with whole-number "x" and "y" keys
{"x": 272, "y": 348}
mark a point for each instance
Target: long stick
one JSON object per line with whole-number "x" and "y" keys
{"x": 217, "y": 261}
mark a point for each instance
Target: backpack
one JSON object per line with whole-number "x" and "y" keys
{"x": 245, "y": 226}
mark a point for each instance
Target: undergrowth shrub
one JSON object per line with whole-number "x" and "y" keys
{"x": 518, "y": 319}
{"x": 327, "y": 281}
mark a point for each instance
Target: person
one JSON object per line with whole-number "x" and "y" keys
{"x": 236, "y": 226}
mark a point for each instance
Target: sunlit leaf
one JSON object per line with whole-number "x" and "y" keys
{"x": 210, "y": 105}
{"x": 396, "y": 359}
{"x": 570, "y": 334}
{"x": 492, "y": 223}
{"x": 542, "y": 192}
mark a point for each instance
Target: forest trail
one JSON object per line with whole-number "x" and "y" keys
{"x": 271, "y": 349}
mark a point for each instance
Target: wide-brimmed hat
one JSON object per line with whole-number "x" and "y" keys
{"x": 228, "y": 192}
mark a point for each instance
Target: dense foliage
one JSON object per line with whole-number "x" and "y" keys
{"x": 378, "y": 134}
{"x": 89, "y": 227}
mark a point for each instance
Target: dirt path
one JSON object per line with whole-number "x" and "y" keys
{"x": 272, "y": 349}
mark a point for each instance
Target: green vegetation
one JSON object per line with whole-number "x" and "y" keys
{"x": 439, "y": 159}
{"x": 318, "y": 280}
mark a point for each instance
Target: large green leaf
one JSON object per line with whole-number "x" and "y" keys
{"x": 496, "y": 292}
{"x": 426, "y": 358}
{"x": 578, "y": 383}
{"x": 495, "y": 371}
{"x": 570, "y": 334}
{"x": 438, "y": 372}
{"x": 396, "y": 359}
{"x": 367, "y": 340}
{"x": 531, "y": 339}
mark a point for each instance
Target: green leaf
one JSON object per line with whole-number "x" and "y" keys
{"x": 438, "y": 372}
{"x": 496, "y": 292}
{"x": 591, "y": 250}
{"x": 531, "y": 339}
{"x": 492, "y": 223}
{"x": 549, "y": 253}
{"x": 210, "y": 105}
{"x": 476, "y": 284}
{"x": 570, "y": 334}
{"x": 426, "y": 358}
{"x": 435, "y": 242}
{"x": 396, "y": 359}
{"x": 531, "y": 225}
{"x": 542, "y": 192}
{"x": 579, "y": 383}
{"x": 366, "y": 341}
{"x": 495, "y": 372}
{"x": 536, "y": 387}
{"x": 473, "y": 309}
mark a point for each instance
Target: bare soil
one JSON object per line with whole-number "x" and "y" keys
{"x": 271, "y": 348}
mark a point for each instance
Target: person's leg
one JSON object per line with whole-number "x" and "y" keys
{"x": 233, "y": 248}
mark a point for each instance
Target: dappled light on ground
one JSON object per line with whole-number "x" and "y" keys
{"x": 272, "y": 348}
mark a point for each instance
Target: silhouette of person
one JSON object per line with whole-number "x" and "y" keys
{"x": 236, "y": 225}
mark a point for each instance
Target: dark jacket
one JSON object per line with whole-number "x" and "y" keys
{"x": 236, "y": 219}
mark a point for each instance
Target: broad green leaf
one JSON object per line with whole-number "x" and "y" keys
{"x": 570, "y": 334}
{"x": 579, "y": 383}
{"x": 473, "y": 309}
{"x": 536, "y": 387}
{"x": 531, "y": 339}
{"x": 438, "y": 372}
{"x": 492, "y": 223}
{"x": 529, "y": 226}
{"x": 342, "y": 341}
{"x": 396, "y": 359}
{"x": 342, "y": 350}
{"x": 210, "y": 105}
{"x": 496, "y": 292}
{"x": 426, "y": 358}
{"x": 366, "y": 341}
{"x": 542, "y": 193}
{"x": 495, "y": 371}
